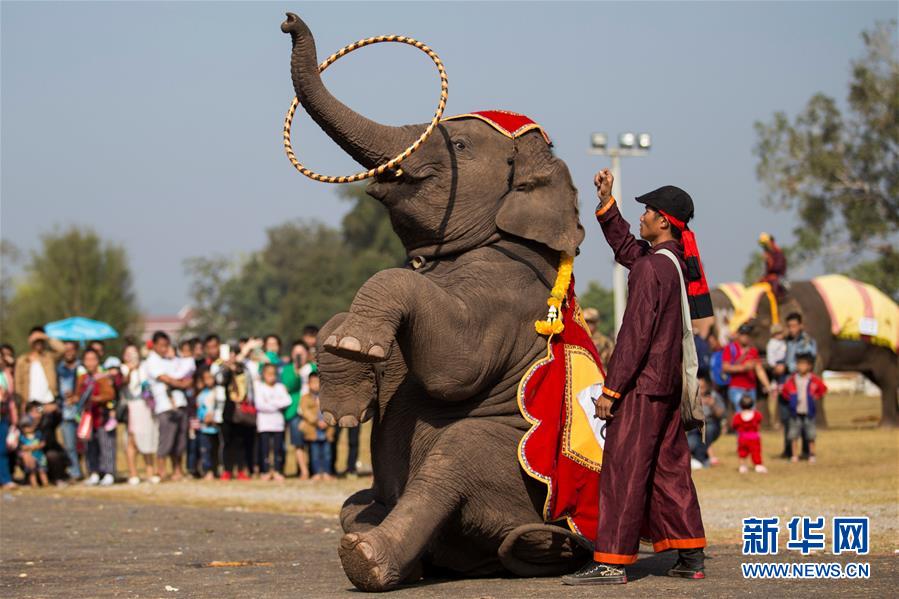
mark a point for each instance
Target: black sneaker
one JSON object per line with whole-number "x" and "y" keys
{"x": 596, "y": 573}
{"x": 690, "y": 564}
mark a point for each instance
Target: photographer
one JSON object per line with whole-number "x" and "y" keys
{"x": 232, "y": 387}
{"x": 295, "y": 377}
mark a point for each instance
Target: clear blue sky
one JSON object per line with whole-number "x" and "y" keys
{"x": 159, "y": 124}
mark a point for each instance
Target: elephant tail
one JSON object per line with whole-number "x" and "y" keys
{"x": 543, "y": 550}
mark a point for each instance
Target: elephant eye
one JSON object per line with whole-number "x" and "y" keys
{"x": 459, "y": 144}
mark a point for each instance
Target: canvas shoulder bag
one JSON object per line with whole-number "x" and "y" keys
{"x": 691, "y": 404}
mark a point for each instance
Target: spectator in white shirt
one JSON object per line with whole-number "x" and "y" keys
{"x": 35, "y": 372}
{"x": 162, "y": 373}
{"x": 271, "y": 399}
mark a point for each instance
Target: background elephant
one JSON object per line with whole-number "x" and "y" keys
{"x": 879, "y": 364}
{"x": 434, "y": 354}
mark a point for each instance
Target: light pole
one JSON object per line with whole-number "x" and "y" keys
{"x": 629, "y": 144}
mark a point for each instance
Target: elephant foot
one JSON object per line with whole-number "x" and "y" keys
{"x": 366, "y": 564}
{"x": 362, "y": 511}
{"x": 356, "y": 340}
{"x": 543, "y": 550}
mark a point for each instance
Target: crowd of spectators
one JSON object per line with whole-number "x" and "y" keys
{"x": 203, "y": 409}
{"x": 733, "y": 374}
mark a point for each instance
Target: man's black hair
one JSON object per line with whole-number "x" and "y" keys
{"x": 8, "y": 346}
{"x": 315, "y": 374}
{"x": 159, "y": 335}
{"x": 210, "y": 337}
{"x": 746, "y": 402}
{"x": 37, "y": 329}
{"x": 273, "y": 336}
{"x": 310, "y": 329}
{"x": 805, "y": 357}
{"x": 91, "y": 350}
{"x": 794, "y": 316}
{"x": 297, "y": 342}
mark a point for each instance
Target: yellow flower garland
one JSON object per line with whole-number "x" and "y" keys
{"x": 553, "y": 324}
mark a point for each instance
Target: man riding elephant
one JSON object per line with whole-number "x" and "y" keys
{"x": 775, "y": 265}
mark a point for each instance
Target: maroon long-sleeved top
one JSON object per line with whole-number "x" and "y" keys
{"x": 775, "y": 264}
{"x": 648, "y": 350}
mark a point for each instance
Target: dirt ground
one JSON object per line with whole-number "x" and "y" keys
{"x": 56, "y": 546}
{"x": 280, "y": 540}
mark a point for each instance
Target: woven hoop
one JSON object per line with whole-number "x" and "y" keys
{"x": 444, "y": 91}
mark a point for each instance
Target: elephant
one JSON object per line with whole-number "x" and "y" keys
{"x": 433, "y": 352}
{"x": 879, "y": 364}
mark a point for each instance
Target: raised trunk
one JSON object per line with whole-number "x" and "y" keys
{"x": 368, "y": 142}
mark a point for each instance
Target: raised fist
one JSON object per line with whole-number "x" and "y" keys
{"x": 603, "y": 182}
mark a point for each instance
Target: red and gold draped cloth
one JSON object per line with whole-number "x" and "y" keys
{"x": 510, "y": 124}
{"x": 563, "y": 448}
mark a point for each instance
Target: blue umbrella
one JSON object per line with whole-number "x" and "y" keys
{"x": 80, "y": 329}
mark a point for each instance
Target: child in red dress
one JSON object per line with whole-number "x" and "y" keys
{"x": 747, "y": 422}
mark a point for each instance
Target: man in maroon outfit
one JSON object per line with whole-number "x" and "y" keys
{"x": 645, "y": 487}
{"x": 775, "y": 265}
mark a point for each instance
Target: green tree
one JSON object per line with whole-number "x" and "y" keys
{"x": 9, "y": 257}
{"x": 209, "y": 298}
{"x": 839, "y": 171}
{"x": 601, "y": 298}
{"x": 305, "y": 274}
{"x": 882, "y": 272}
{"x": 74, "y": 273}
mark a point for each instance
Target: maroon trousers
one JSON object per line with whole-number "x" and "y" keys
{"x": 646, "y": 487}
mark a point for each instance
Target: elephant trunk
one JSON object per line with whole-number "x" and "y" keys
{"x": 368, "y": 142}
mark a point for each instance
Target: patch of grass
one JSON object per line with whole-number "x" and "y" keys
{"x": 857, "y": 474}
{"x": 846, "y": 410}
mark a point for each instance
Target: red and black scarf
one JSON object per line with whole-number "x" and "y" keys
{"x": 697, "y": 287}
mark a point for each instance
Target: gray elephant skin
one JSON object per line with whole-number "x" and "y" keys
{"x": 434, "y": 354}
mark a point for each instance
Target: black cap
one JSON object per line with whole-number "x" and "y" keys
{"x": 673, "y": 200}
{"x": 745, "y": 329}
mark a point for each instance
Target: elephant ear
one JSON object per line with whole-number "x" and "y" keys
{"x": 542, "y": 202}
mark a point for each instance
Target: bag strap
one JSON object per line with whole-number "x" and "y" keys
{"x": 685, "y": 307}
{"x": 736, "y": 352}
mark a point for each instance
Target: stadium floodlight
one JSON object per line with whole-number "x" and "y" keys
{"x": 627, "y": 140}
{"x": 644, "y": 140}
{"x": 599, "y": 141}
